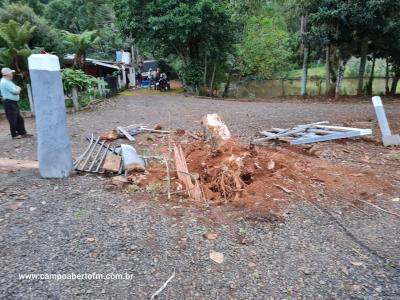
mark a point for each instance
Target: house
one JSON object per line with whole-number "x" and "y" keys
{"x": 105, "y": 70}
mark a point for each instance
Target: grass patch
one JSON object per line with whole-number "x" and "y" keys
{"x": 315, "y": 71}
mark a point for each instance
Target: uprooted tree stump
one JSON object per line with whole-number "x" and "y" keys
{"x": 215, "y": 131}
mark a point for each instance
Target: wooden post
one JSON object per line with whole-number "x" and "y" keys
{"x": 99, "y": 86}
{"x": 119, "y": 82}
{"x": 133, "y": 64}
{"x": 31, "y": 103}
{"x": 123, "y": 77}
{"x": 75, "y": 99}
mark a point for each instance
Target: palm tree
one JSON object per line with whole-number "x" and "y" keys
{"x": 81, "y": 43}
{"x": 16, "y": 38}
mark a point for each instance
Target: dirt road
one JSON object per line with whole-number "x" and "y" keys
{"x": 316, "y": 250}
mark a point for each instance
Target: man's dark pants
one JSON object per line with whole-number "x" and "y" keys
{"x": 17, "y": 125}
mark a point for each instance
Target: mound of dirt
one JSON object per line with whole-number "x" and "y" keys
{"x": 262, "y": 177}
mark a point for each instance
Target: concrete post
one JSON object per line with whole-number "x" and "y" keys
{"x": 54, "y": 148}
{"x": 387, "y": 137}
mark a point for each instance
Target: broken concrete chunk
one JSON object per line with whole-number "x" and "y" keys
{"x": 218, "y": 257}
{"x": 110, "y": 135}
{"x": 215, "y": 130}
{"x": 132, "y": 161}
{"x": 112, "y": 163}
{"x": 158, "y": 127}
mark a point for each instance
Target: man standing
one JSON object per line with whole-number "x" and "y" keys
{"x": 10, "y": 93}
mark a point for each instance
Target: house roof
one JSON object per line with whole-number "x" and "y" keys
{"x": 104, "y": 63}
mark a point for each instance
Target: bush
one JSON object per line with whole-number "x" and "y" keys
{"x": 79, "y": 79}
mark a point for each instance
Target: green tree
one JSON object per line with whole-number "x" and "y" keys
{"x": 77, "y": 16}
{"x": 80, "y": 43}
{"x": 44, "y": 35}
{"x": 198, "y": 32}
{"x": 37, "y": 5}
{"x": 264, "y": 49}
{"x": 359, "y": 28}
{"x": 16, "y": 37}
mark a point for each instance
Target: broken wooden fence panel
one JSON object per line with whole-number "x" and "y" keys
{"x": 126, "y": 134}
{"x": 311, "y": 133}
{"x": 314, "y": 138}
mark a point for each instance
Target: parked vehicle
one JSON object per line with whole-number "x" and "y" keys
{"x": 163, "y": 83}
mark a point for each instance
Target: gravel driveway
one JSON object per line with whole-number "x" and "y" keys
{"x": 78, "y": 225}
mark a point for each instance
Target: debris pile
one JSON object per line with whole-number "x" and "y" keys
{"x": 311, "y": 133}
{"x": 214, "y": 166}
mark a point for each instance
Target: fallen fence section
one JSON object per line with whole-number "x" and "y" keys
{"x": 92, "y": 159}
{"x": 102, "y": 157}
{"x": 311, "y": 133}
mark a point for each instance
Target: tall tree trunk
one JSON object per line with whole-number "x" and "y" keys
{"x": 212, "y": 78}
{"x": 393, "y": 89}
{"x": 328, "y": 70}
{"x": 363, "y": 61}
{"x": 339, "y": 79}
{"x": 387, "y": 90}
{"x": 205, "y": 71}
{"x": 228, "y": 84}
{"x": 304, "y": 78}
{"x": 371, "y": 78}
{"x": 79, "y": 60}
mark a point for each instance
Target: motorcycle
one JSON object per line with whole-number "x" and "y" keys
{"x": 163, "y": 83}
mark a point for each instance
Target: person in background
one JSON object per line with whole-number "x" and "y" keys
{"x": 150, "y": 77}
{"x": 10, "y": 93}
{"x": 157, "y": 78}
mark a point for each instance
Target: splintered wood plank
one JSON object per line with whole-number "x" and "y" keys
{"x": 193, "y": 190}
{"x": 16, "y": 164}
{"x": 126, "y": 134}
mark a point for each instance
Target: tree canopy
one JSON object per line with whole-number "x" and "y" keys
{"x": 210, "y": 42}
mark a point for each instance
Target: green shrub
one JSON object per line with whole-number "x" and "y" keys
{"x": 77, "y": 78}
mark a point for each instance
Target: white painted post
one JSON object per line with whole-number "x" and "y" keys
{"x": 387, "y": 137}
{"x": 54, "y": 148}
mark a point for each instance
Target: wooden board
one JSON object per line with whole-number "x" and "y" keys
{"x": 193, "y": 190}
{"x": 112, "y": 163}
{"x": 17, "y": 164}
{"x": 126, "y": 134}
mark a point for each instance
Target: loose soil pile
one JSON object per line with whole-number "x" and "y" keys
{"x": 254, "y": 177}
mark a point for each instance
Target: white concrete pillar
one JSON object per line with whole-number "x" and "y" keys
{"x": 54, "y": 148}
